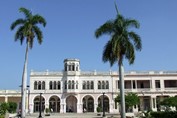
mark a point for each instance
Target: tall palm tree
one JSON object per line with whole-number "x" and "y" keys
{"x": 27, "y": 30}
{"x": 122, "y": 44}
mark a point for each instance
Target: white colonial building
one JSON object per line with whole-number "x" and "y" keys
{"x": 73, "y": 90}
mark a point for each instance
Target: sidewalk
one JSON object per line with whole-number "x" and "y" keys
{"x": 72, "y": 115}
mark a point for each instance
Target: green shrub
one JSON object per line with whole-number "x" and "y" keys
{"x": 99, "y": 109}
{"x": 166, "y": 114}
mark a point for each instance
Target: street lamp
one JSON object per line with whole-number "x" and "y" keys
{"x": 40, "y": 106}
{"x": 103, "y": 106}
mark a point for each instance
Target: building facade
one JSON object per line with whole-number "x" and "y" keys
{"x": 73, "y": 90}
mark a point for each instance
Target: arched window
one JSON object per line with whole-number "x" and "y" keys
{"x": 107, "y": 85}
{"x": 76, "y": 84}
{"x": 39, "y": 85}
{"x": 55, "y": 85}
{"x": 73, "y": 84}
{"x": 73, "y": 68}
{"x": 103, "y": 85}
{"x": 92, "y": 85}
{"x": 84, "y": 85}
{"x": 50, "y": 85}
{"x": 69, "y": 84}
{"x": 35, "y": 85}
{"x": 99, "y": 85}
{"x": 88, "y": 85}
{"x": 65, "y": 67}
{"x": 59, "y": 85}
{"x": 43, "y": 85}
{"x": 65, "y": 84}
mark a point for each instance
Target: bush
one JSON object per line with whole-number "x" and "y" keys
{"x": 167, "y": 114}
{"x": 98, "y": 109}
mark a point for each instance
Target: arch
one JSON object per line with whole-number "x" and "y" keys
{"x": 71, "y": 104}
{"x": 36, "y": 102}
{"x": 88, "y": 103}
{"x": 106, "y": 102}
{"x": 54, "y": 103}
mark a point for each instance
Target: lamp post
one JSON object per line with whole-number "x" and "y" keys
{"x": 103, "y": 106}
{"x": 40, "y": 106}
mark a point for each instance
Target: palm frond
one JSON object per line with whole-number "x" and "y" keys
{"x": 17, "y": 22}
{"x": 39, "y": 19}
{"x": 38, "y": 33}
{"x": 26, "y": 12}
{"x": 136, "y": 40}
{"x": 132, "y": 23}
{"x": 106, "y": 28}
{"x": 108, "y": 54}
{"x": 130, "y": 53}
{"x": 19, "y": 34}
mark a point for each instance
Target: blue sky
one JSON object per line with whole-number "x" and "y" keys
{"x": 69, "y": 33}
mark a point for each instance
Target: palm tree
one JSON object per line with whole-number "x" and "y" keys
{"x": 122, "y": 44}
{"x": 27, "y": 30}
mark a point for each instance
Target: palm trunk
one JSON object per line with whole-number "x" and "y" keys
{"x": 24, "y": 82}
{"x": 122, "y": 95}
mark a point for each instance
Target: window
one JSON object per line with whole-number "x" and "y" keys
{"x": 84, "y": 85}
{"x": 69, "y": 84}
{"x": 99, "y": 85}
{"x": 88, "y": 85}
{"x": 35, "y": 85}
{"x": 50, "y": 85}
{"x": 65, "y": 84}
{"x": 103, "y": 85}
{"x": 58, "y": 85}
{"x": 73, "y": 84}
{"x": 76, "y": 84}
{"x": 39, "y": 85}
{"x": 55, "y": 85}
{"x": 43, "y": 85}
{"x": 134, "y": 85}
{"x": 92, "y": 85}
{"x": 157, "y": 83}
{"x": 107, "y": 85}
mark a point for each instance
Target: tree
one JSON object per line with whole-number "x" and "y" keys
{"x": 122, "y": 44}
{"x": 27, "y": 30}
{"x": 131, "y": 99}
{"x": 169, "y": 102}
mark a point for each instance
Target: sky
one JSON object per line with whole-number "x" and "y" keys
{"x": 69, "y": 33}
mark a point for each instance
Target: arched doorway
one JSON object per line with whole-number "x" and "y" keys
{"x": 88, "y": 103}
{"x": 54, "y": 103}
{"x": 37, "y": 103}
{"x": 106, "y": 102}
{"x": 71, "y": 104}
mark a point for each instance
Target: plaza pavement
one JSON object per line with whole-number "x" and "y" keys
{"x": 73, "y": 115}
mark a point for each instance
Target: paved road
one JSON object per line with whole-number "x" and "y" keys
{"x": 73, "y": 115}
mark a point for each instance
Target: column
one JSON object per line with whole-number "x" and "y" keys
{"x": 6, "y": 98}
{"x": 95, "y": 106}
{"x": 153, "y": 103}
{"x": 162, "y": 84}
{"x": 153, "y": 84}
